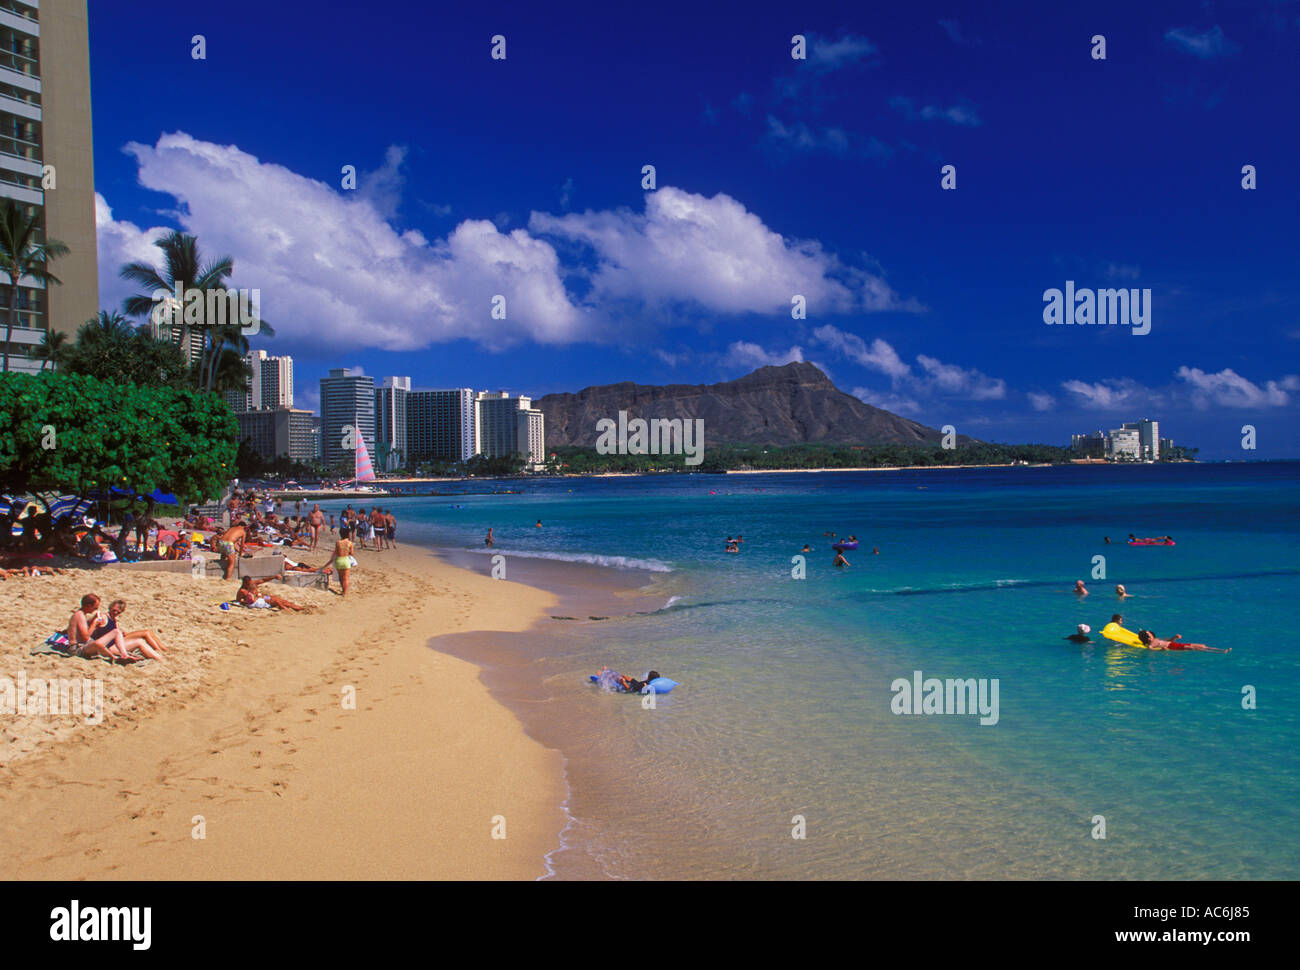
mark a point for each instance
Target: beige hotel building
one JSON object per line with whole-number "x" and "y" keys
{"x": 47, "y": 162}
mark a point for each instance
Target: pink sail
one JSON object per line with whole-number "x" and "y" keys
{"x": 365, "y": 471}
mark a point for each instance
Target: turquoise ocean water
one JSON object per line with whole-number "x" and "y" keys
{"x": 785, "y": 709}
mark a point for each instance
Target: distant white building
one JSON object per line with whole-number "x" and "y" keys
{"x": 1124, "y": 443}
{"x": 1148, "y": 437}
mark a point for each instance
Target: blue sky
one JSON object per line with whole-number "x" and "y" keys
{"x": 774, "y": 177}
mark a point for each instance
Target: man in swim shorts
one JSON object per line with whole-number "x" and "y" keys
{"x": 1153, "y": 642}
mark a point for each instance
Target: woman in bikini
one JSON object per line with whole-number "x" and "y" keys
{"x": 87, "y": 636}
{"x": 146, "y": 641}
{"x": 343, "y": 558}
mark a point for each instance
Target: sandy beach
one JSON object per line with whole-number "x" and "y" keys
{"x": 245, "y": 736}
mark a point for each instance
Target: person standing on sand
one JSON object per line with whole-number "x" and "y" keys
{"x": 315, "y": 519}
{"x": 379, "y": 527}
{"x": 343, "y": 558}
{"x": 392, "y": 527}
{"x": 231, "y": 546}
{"x": 332, "y": 529}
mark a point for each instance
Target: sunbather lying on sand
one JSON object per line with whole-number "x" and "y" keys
{"x": 249, "y": 596}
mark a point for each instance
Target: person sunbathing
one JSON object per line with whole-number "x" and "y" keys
{"x": 146, "y": 641}
{"x": 249, "y": 596}
{"x": 87, "y": 636}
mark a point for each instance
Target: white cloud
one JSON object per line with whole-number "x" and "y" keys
{"x": 830, "y": 55}
{"x": 1205, "y": 44}
{"x": 879, "y": 355}
{"x": 799, "y": 137}
{"x": 958, "y": 114}
{"x": 714, "y": 252}
{"x": 1103, "y": 395}
{"x": 752, "y": 356}
{"x": 1041, "y": 402}
{"x": 1228, "y": 389}
{"x": 332, "y": 270}
{"x": 961, "y": 382}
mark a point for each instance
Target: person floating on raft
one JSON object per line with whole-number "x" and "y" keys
{"x": 1153, "y": 642}
{"x": 1145, "y": 639}
{"x": 614, "y": 681}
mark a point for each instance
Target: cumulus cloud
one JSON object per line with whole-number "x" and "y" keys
{"x": 1103, "y": 395}
{"x": 931, "y": 379}
{"x": 330, "y": 267}
{"x": 333, "y": 270}
{"x": 1228, "y": 389}
{"x": 878, "y": 355}
{"x": 958, "y": 114}
{"x": 713, "y": 252}
{"x": 962, "y": 382}
{"x": 1206, "y": 44}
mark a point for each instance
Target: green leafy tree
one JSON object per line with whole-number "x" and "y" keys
{"x": 183, "y": 264}
{"x": 23, "y": 254}
{"x": 110, "y": 349}
{"x": 108, "y": 433}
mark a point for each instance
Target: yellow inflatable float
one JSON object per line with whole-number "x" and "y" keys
{"x": 1113, "y": 631}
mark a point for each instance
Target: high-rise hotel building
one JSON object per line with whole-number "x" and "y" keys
{"x": 390, "y": 422}
{"x": 47, "y": 161}
{"x": 442, "y": 425}
{"x": 269, "y": 384}
{"x": 509, "y": 426}
{"x": 347, "y": 399}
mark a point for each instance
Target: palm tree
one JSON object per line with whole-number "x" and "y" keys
{"x": 54, "y": 348}
{"x": 21, "y": 254}
{"x": 183, "y": 264}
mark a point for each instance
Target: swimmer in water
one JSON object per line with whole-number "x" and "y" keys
{"x": 1107, "y": 540}
{"x": 1121, "y": 592}
{"x": 1081, "y": 634}
{"x": 539, "y": 524}
{"x": 1079, "y": 589}
{"x": 1153, "y": 642}
{"x": 875, "y": 550}
{"x": 733, "y": 548}
{"x": 840, "y": 560}
{"x": 806, "y": 548}
{"x": 490, "y": 539}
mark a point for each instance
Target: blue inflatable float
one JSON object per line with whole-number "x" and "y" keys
{"x": 660, "y": 685}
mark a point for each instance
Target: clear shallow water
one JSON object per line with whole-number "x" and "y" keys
{"x": 785, "y": 703}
